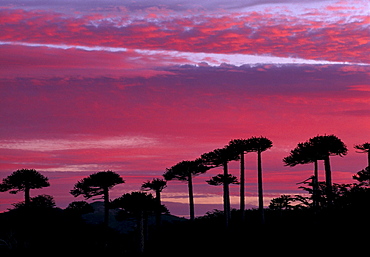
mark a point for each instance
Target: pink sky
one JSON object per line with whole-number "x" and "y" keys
{"x": 137, "y": 87}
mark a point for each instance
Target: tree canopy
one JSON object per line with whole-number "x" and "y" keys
{"x": 220, "y": 156}
{"x": 156, "y": 185}
{"x": 136, "y": 202}
{"x": 183, "y": 169}
{"x": 22, "y": 180}
{"x": 328, "y": 145}
{"x": 220, "y": 179}
{"x": 259, "y": 144}
{"x": 363, "y": 148}
{"x": 96, "y": 183}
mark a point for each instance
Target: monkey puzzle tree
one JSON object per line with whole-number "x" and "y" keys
{"x": 138, "y": 205}
{"x": 302, "y": 154}
{"x": 221, "y": 157}
{"x": 220, "y": 179}
{"x": 98, "y": 184}
{"x": 364, "y": 148}
{"x": 157, "y": 185}
{"x": 241, "y": 146}
{"x": 185, "y": 171}
{"x": 259, "y": 145}
{"x": 326, "y": 146}
{"x": 24, "y": 180}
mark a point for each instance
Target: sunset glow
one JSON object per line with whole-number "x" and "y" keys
{"x": 138, "y": 86}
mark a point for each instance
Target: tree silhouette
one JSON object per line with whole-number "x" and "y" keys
{"x": 185, "y": 171}
{"x": 241, "y": 146}
{"x": 364, "y": 148}
{"x": 259, "y": 145}
{"x": 37, "y": 202}
{"x": 281, "y": 203}
{"x": 79, "y": 208}
{"x": 24, "y": 180}
{"x": 221, "y": 157}
{"x": 98, "y": 184}
{"x": 325, "y": 147}
{"x": 157, "y": 185}
{"x": 302, "y": 154}
{"x": 363, "y": 175}
{"x": 138, "y": 205}
{"x": 220, "y": 179}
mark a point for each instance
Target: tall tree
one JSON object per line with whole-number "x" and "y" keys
{"x": 157, "y": 185}
{"x": 138, "y": 205}
{"x": 185, "y": 171}
{"x": 241, "y": 146}
{"x": 221, "y": 157}
{"x": 24, "y": 180}
{"x": 326, "y": 146}
{"x": 98, "y": 184}
{"x": 259, "y": 145}
{"x": 364, "y": 148}
{"x": 302, "y": 154}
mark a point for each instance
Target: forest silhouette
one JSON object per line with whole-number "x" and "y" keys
{"x": 327, "y": 216}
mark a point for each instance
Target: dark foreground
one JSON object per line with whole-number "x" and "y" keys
{"x": 292, "y": 232}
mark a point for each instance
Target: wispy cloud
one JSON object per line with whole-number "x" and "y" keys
{"x": 76, "y": 143}
{"x": 333, "y": 32}
{"x": 168, "y": 57}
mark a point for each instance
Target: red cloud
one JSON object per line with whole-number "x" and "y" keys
{"x": 251, "y": 33}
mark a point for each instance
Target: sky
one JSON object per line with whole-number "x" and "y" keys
{"x": 138, "y": 86}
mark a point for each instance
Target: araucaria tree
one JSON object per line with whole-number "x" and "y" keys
{"x": 241, "y": 146}
{"x": 221, "y": 157}
{"x": 327, "y": 146}
{"x": 259, "y": 145}
{"x": 185, "y": 171}
{"x": 302, "y": 154}
{"x": 98, "y": 184}
{"x": 220, "y": 179}
{"x": 138, "y": 205}
{"x": 157, "y": 185}
{"x": 24, "y": 180}
{"x": 318, "y": 148}
{"x": 364, "y": 148}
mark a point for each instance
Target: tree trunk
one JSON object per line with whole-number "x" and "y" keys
{"x": 315, "y": 186}
{"x": 329, "y": 187}
{"x": 226, "y": 196}
{"x": 106, "y": 207}
{"x": 158, "y": 209}
{"x": 260, "y": 190}
{"x": 242, "y": 185}
{"x": 27, "y": 198}
{"x": 191, "y": 196}
{"x": 140, "y": 226}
